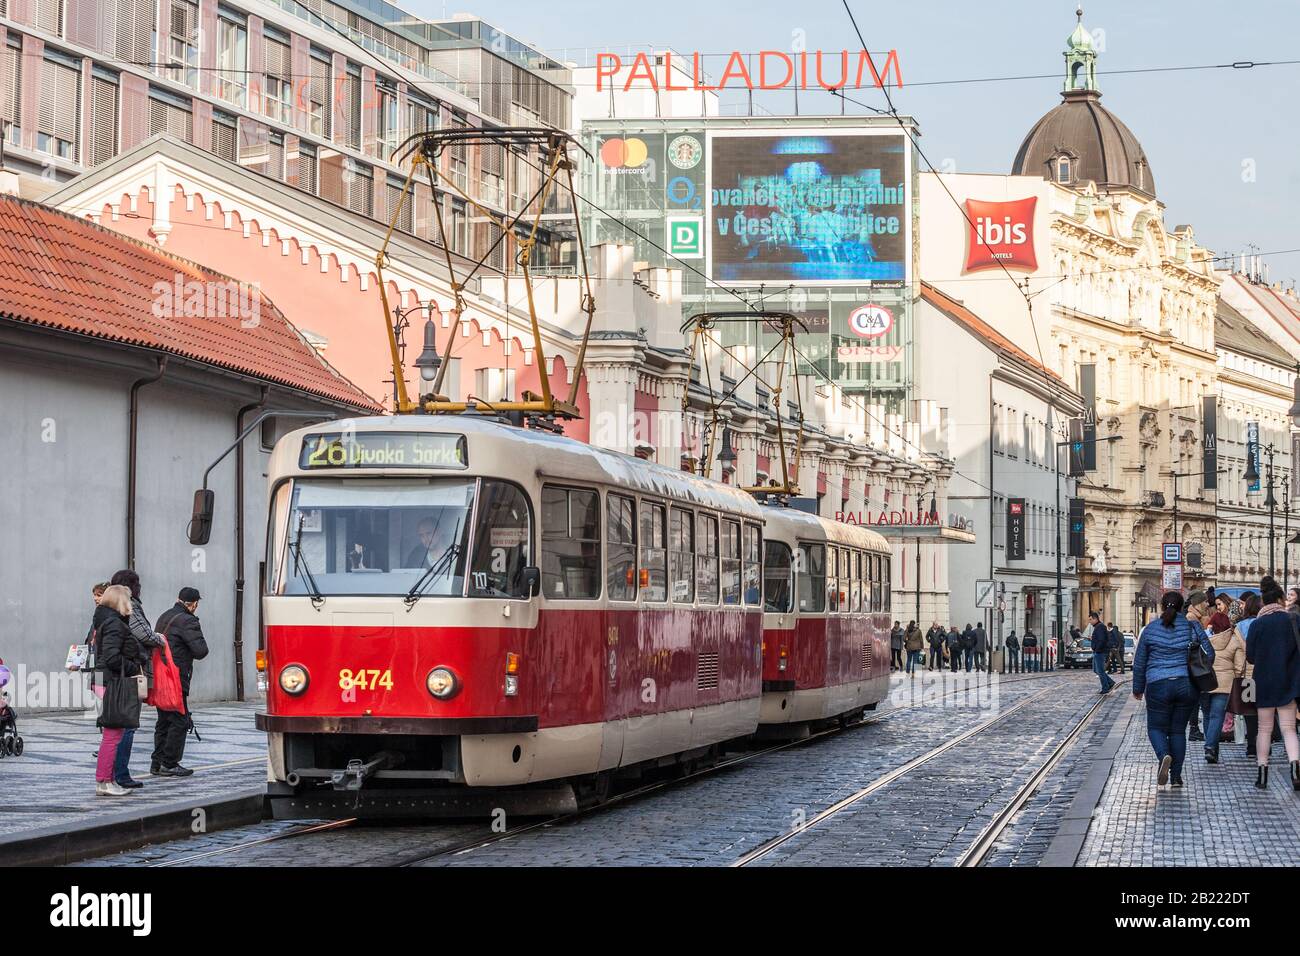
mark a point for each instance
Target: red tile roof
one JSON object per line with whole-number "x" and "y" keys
{"x": 959, "y": 313}
{"x": 61, "y": 272}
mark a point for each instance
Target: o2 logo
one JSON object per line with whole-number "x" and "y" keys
{"x": 871, "y": 321}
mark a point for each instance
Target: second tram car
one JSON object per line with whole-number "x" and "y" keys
{"x": 455, "y": 606}
{"x": 826, "y": 618}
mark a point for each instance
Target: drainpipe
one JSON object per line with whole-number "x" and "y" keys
{"x": 239, "y": 543}
{"x": 132, "y": 429}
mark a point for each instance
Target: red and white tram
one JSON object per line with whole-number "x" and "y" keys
{"x": 457, "y": 605}
{"x": 825, "y": 621}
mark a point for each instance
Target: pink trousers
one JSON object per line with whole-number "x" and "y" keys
{"x": 107, "y": 754}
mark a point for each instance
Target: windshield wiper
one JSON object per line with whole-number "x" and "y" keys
{"x": 300, "y": 567}
{"x": 437, "y": 569}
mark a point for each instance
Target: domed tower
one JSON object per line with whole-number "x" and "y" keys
{"x": 1080, "y": 139}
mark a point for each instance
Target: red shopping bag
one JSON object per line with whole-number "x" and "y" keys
{"x": 166, "y": 693}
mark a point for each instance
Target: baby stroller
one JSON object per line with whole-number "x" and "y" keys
{"x": 11, "y": 744}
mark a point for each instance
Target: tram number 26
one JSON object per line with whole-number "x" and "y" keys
{"x": 365, "y": 679}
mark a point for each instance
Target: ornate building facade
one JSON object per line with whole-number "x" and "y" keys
{"x": 1132, "y": 326}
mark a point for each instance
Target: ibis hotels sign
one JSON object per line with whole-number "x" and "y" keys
{"x": 1001, "y": 234}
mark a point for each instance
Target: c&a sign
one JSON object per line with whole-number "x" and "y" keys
{"x": 1001, "y": 233}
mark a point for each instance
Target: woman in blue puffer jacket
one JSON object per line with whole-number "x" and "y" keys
{"x": 1160, "y": 672}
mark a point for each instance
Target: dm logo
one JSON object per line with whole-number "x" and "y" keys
{"x": 871, "y": 321}
{"x": 685, "y": 237}
{"x": 685, "y": 152}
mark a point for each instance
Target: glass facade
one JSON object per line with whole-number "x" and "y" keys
{"x": 814, "y": 216}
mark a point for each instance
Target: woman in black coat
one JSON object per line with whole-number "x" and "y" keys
{"x": 1271, "y": 645}
{"x": 121, "y": 657}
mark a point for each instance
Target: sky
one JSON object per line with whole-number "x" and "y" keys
{"x": 1222, "y": 143}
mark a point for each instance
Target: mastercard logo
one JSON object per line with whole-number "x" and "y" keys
{"x": 623, "y": 153}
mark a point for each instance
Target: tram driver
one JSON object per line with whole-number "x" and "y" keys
{"x": 436, "y": 538}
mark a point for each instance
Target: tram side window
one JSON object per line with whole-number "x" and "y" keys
{"x": 501, "y": 542}
{"x": 855, "y": 584}
{"x": 776, "y": 577}
{"x": 845, "y": 567}
{"x": 812, "y": 578}
{"x": 832, "y": 585}
{"x": 654, "y": 557}
{"x": 706, "y": 561}
{"x": 620, "y": 546}
{"x": 753, "y": 569}
{"x": 570, "y": 543}
{"x": 875, "y": 582}
{"x": 730, "y": 562}
{"x": 886, "y": 587}
{"x": 681, "y": 555}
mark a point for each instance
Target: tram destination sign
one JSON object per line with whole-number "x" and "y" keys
{"x": 344, "y": 449}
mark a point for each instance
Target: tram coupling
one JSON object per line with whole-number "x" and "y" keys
{"x": 353, "y": 776}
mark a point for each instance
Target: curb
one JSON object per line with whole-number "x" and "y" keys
{"x": 59, "y": 846}
{"x": 1068, "y": 842}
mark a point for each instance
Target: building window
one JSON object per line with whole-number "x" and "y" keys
{"x": 59, "y": 115}
{"x": 307, "y": 167}
{"x": 459, "y": 232}
{"x": 103, "y": 118}
{"x": 347, "y": 120}
{"x": 278, "y": 66}
{"x": 170, "y": 114}
{"x": 384, "y": 140}
{"x": 225, "y": 136}
{"x": 232, "y": 58}
{"x": 275, "y": 156}
{"x": 183, "y": 43}
{"x": 420, "y": 116}
{"x": 49, "y": 16}
{"x": 393, "y": 196}
{"x": 318, "y": 94}
{"x": 1063, "y": 169}
{"x": 459, "y": 156}
{"x": 11, "y": 91}
{"x": 134, "y": 31}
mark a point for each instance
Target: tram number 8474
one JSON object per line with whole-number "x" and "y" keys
{"x": 365, "y": 679}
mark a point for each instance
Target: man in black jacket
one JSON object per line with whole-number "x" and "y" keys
{"x": 1100, "y": 638}
{"x": 185, "y": 637}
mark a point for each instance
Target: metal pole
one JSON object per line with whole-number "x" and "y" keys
{"x": 1059, "y": 610}
{"x": 1176, "y": 477}
{"x": 1286, "y": 536}
{"x": 1272, "y": 508}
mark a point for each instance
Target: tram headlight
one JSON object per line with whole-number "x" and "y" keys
{"x": 293, "y": 679}
{"x": 442, "y": 683}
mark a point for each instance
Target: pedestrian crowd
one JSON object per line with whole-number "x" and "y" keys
{"x": 1210, "y": 661}
{"x": 954, "y": 650}
{"x": 133, "y": 663}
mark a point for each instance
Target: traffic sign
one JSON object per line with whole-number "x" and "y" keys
{"x": 1172, "y": 553}
{"x": 984, "y": 593}
{"x": 1172, "y": 578}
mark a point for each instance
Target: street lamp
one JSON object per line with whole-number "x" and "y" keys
{"x": 429, "y": 361}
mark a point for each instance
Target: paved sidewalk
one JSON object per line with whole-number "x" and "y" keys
{"x": 50, "y": 789}
{"x": 1217, "y": 819}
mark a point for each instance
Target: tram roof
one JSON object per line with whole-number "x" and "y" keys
{"x": 555, "y": 457}
{"x": 804, "y": 525}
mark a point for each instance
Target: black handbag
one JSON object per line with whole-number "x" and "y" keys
{"x": 121, "y": 703}
{"x": 1199, "y": 668}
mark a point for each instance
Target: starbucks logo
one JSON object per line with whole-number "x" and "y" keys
{"x": 685, "y": 152}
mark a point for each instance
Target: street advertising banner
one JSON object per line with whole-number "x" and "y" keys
{"x": 1015, "y": 529}
{"x": 1209, "y": 443}
{"x": 823, "y": 208}
{"x": 1252, "y": 455}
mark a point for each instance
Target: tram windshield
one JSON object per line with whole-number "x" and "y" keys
{"x": 378, "y": 537}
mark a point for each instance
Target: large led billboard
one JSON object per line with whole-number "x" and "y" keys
{"x": 810, "y": 207}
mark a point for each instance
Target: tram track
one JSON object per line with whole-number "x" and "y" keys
{"x": 663, "y": 785}
{"x": 978, "y": 851}
{"x": 462, "y": 847}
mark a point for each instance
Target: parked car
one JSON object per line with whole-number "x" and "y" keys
{"x": 1130, "y": 646}
{"x": 1078, "y": 654}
